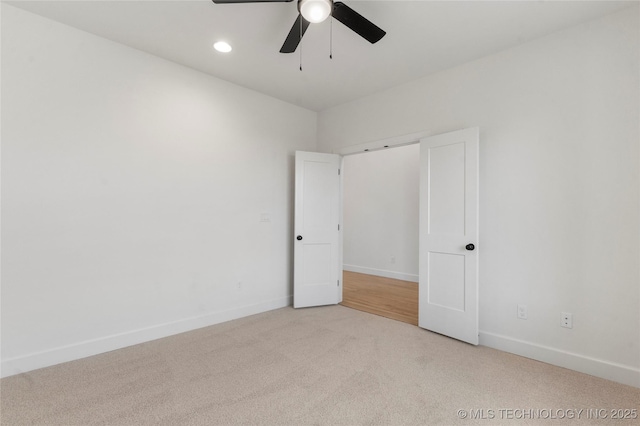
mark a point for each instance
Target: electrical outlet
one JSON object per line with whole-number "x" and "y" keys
{"x": 522, "y": 312}
{"x": 566, "y": 320}
{"x": 393, "y": 259}
{"x": 239, "y": 285}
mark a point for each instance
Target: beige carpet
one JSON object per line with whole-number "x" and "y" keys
{"x": 318, "y": 366}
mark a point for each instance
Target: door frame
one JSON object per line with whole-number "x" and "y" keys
{"x": 388, "y": 143}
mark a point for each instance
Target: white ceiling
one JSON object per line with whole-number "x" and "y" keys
{"x": 423, "y": 37}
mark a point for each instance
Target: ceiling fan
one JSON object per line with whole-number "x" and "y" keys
{"x": 314, "y": 11}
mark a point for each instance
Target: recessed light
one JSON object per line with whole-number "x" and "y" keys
{"x": 222, "y": 46}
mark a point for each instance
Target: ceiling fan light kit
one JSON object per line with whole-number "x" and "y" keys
{"x": 314, "y": 11}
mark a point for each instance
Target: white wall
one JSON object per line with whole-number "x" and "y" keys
{"x": 559, "y": 186}
{"x": 381, "y": 204}
{"x": 132, "y": 194}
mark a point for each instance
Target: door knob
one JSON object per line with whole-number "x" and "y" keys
{"x": 299, "y": 237}
{"x": 470, "y": 247}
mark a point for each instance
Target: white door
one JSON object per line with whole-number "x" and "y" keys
{"x": 448, "y": 276}
{"x": 317, "y": 270}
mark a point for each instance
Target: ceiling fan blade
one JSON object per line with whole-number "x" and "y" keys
{"x": 249, "y": 1}
{"x": 295, "y": 35}
{"x": 358, "y": 23}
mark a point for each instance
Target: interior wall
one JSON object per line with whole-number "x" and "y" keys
{"x": 380, "y": 208}
{"x": 140, "y": 198}
{"x": 559, "y": 186}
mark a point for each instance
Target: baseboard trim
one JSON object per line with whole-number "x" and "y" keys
{"x": 22, "y": 364}
{"x": 596, "y": 367}
{"x": 381, "y": 273}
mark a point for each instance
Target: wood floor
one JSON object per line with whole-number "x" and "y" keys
{"x": 386, "y": 297}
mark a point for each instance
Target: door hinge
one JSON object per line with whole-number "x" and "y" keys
{"x": 338, "y": 283}
{"x": 338, "y": 172}
{"x": 338, "y": 227}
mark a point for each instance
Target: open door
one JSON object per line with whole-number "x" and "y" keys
{"x": 317, "y": 270}
{"x": 448, "y": 277}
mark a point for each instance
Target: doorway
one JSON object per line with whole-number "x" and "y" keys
{"x": 381, "y": 218}
{"x": 447, "y": 221}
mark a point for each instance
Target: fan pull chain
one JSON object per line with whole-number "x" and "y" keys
{"x": 300, "y": 43}
{"x": 331, "y": 37}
